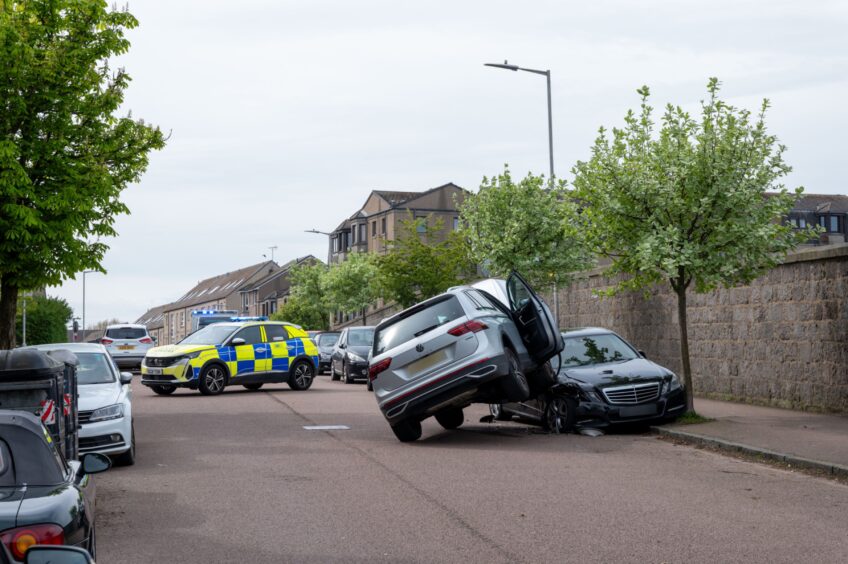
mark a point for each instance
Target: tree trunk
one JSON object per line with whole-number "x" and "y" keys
{"x": 8, "y": 314}
{"x": 684, "y": 347}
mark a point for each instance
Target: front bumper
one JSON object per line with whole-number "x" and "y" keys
{"x": 106, "y": 437}
{"x": 180, "y": 374}
{"x": 456, "y": 388}
{"x": 358, "y": 370}
{"x": 593, "y": 412}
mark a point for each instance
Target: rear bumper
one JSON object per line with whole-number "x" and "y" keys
{"x": 456, "y": 388}
{"x": 126, "y": 361}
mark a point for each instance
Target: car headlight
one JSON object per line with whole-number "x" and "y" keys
{"x": 188, "y": 356}
{"x": 355, "y": 357}
{"x": 106, "y": 413}
{"x": 673, "y": 384}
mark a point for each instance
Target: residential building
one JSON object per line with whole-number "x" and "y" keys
{"x": 267, "y": 294}
{"x": 826, "y": 210}
{"x": 373, "y": 226}
{"x": 379, "y": 219}
{"x": 219, "y": 292}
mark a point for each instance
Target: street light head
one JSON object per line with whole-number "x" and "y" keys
{"x": 505, "y": 65}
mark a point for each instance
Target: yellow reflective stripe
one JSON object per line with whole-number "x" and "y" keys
{"x": 245, "y": 352}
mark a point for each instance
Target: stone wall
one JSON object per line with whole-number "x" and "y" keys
{"x": 782, "y": 340}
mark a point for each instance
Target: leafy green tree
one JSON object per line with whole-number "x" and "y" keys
{"x": 65, "y": 154}
{"x": 351, "y": 286}
{"x": 697, "y": 205}
{"x": 422, "y": 261}
{"x": 524, "y": 226}
{"x": 307, "y": 303}
{"x": 47, "y": 320}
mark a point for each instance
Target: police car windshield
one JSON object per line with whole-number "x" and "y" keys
{"x": 94, "y": 368}
{"x": 209, "y": 335}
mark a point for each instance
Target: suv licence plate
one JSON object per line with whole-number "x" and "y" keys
{"x": 126, "y": 347}
{"x": 154, "y": 371}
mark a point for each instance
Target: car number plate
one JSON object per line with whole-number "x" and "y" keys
{"x": 154, "y": 371}
{"x": 126, "y": 347}
{"x": 428, "y": 361}
{"x": 638, "y": 410}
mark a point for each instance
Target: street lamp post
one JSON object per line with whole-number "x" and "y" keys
{"x": 547, "y": 75}
{"x": 84, "y": 272}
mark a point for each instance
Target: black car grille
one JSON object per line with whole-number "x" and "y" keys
{"x": 633, "y": 394}
{"x": 159, "y": 378}
{"x": 100, "y": 441}
{"x": 157, "y": 362}
{"x": 84, "y": 416}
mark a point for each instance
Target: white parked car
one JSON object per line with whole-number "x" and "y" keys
{"x": 105, "y": 402}
{"x": 127, "y": 343}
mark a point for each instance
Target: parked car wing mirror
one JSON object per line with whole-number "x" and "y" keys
{"x": 238, "y": 341}
{"x": 643, "y": 354}
{"x": 94, "y": 463}
{"x": 126, "y": 377}
{"x": 342, "y": 346}
{"x": 43, "y": 554}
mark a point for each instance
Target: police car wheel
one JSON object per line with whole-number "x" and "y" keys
{"x": 212, "y": 380}
{"x": 252, "y": 386}
{"x": 163, "y": 390}
{"x": 302, "y": 374}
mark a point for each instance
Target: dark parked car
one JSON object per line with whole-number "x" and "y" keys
{"x": 350, "y": 354}
{"x": 326, "y": 342}
{"x": 473, "y": 344}
{"x": 602, "y": 380}
{"x": 43, "y": 498}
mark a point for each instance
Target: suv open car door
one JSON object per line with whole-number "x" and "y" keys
{"x": 534, "y": 320}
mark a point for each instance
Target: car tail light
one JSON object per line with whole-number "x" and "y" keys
{"x": 105, "y": 341}
{"x": 472, "y": 326}
{"x": 19, "y": 540}
{"x": 146, "y": 341}
{"x": 375, "y": 369}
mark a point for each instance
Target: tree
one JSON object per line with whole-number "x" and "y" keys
{"x": 422, "y": 262}
{"x": 698, "y": 205}
{"x": 525, "y": 227}
{"x": 47, "y": 320}
{"x": 351, "y": 286}
{"x": 307, "y": 303}
{"x": 65, "y": 156}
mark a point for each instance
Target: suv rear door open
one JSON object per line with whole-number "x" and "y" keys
{"x": 533, "y": 319}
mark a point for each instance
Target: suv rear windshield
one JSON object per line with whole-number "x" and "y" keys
{"x": 126, "y": 333}
{"x": 422, "y": 321}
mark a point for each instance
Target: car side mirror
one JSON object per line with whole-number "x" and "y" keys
{"x": 342, "y": 346}
{"x": 126, "y": 378}
{"x": 94, "y": 463}
{"x": 643, "y": 354}
{"x": 44, "y": 554}
{"x": 238, "y": 341}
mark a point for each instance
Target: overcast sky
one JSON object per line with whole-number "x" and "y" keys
{"x": 284, "y": 115}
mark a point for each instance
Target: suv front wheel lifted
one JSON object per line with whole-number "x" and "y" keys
{"x": 408, "y": 430}
{"x": 213, "y": 378}
{"x": 514, "y": 384}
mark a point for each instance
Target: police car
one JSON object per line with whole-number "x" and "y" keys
{"x": 224, "y": 354}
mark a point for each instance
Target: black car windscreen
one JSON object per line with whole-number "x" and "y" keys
{"x": 417, "y": 323}
{"x": 595, "y": 349}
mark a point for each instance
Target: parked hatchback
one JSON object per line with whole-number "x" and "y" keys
{"x": 349, "y": 360}
{"x": 462, "y": 347}
{"x": 325, "y": 341}
{"x": 127, "y": 344}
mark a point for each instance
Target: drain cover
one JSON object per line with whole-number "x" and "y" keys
{"x": 326, "y": 427}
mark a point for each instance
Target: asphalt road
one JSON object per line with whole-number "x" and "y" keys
{"x": 236, "y": 478}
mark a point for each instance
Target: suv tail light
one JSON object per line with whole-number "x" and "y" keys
{"x": 105, "y": 341}
{"x": 472, "y": 326}
{"x": 375, "y": 369}
{"x": 19, "y": 540}
{"x": 146, "y": 341}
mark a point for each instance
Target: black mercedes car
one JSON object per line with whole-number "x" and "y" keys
{"x": 349, "y": 360}
{"x": 601, "y": 380}
{"x": 43, "y": 498}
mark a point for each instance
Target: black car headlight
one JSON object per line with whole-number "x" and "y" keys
{"x": 672, "y": 384}
{"x": 355, "y": 357}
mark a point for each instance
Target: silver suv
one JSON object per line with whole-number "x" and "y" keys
{"x": 127, "y": 344}
{"x": 468, "y": 345}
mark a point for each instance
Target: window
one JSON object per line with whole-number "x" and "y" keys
{"x": 363, "y": 232}
{"x": 374, "y": 228}
{"x": 244, "y": 301}
{"x": 126, "y": 333}
{"x": 353, "y": 234}
{"x": 480, "y": 301}
{"x": 383, "y": 222}
{"x": 276, "y": 333}
{"x": 834, "y": 224}
{"x": 94, "y": 368}
{"x": 182, "y": 319}
{"x": 421, "y": 223}
{"x": 456, "y": 223}
{"x": 416, "y": 323}
{"x": 802, "y": 223}
{"x": 251, "y": 335}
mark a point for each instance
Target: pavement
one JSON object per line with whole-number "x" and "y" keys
{"x": 811, "y": 440}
